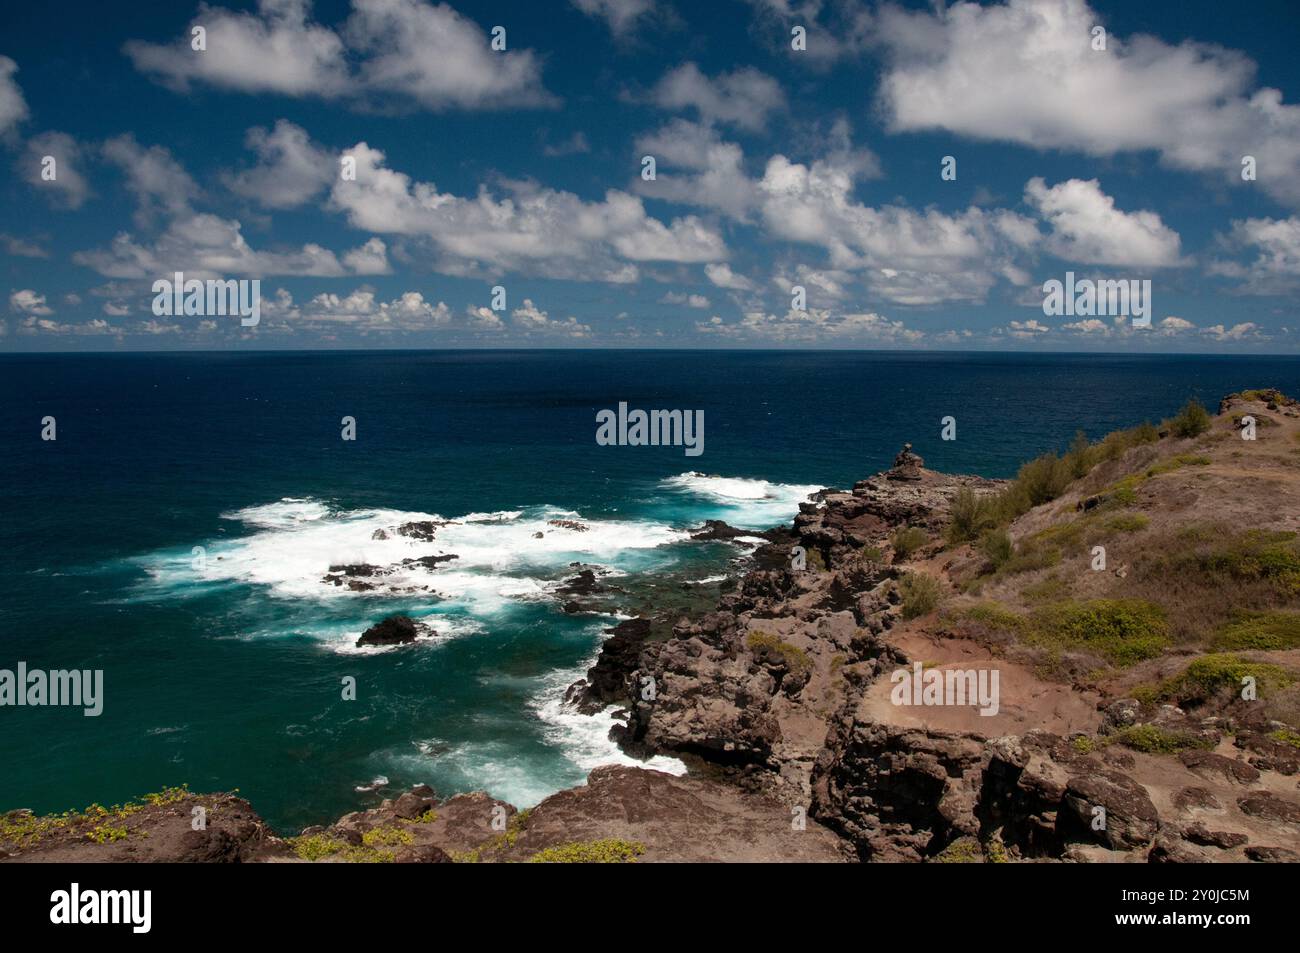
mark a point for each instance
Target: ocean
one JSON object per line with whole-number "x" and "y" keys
{"x": 224, "y": 669}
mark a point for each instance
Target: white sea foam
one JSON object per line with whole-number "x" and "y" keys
{"x": 343, "y": 639}
{"x": 296, "y": 541}
{"x": 504, "y": 558}
{"x": 584, "y": 739}
{"x": 743, "y": 501}
{"x": 286, "y": 513}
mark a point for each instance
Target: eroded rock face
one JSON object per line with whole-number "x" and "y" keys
{"x": 710, "y": 698}
{"x": 906, "y": 794}
{"x": 160, "y": 833}
{"x": 1113, "y": 806}
{"x": 755, "y": 686}
{"x": 608, "y": 682}
{"x": 1208, "y": 764}
{"x": 1268, "y": 754}
{"x": 898, "y": 793}
{"x": 1269, "y": 806}
{"x": 673, "y": 819}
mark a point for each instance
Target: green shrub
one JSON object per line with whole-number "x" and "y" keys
{"x": 1123, "y": 631}
{"x": 606, "y": 851}
{"x": 765, "y": 643}
{"x": 1192, "y": 421}
{"x": 1261, "y": 631}
{"x": 907, "y": 540}
{"x": 1266, "y": 555}
{"x": 106, "y": 833}
{"x": 1221, "y": 674}
{"x": 386, "y": 837}
{"x": 921, "y": 594}
{"x": 966, "y": 850}
{"x": 1079, "y": 459}
{"x": 994, "y": 615}
{"x": 1153, "y": 739}
{"x": 1115, "y": 445}
{"x": 1043, "y": 479}
{"x": 971, "y": 515}
{"x": 1286, "y": 736}
{"x": 997, "y": 547}
{"x": 316, "y": 846}
{"x": 1270, "y": 395}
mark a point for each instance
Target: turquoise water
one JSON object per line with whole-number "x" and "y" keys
{"x": 229, "y": 675}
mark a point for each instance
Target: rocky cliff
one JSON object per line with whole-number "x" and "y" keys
{"x": 1137, "y": 599}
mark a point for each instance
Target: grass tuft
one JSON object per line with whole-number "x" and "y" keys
{"x": 921, "y": 594}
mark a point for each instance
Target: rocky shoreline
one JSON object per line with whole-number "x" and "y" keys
{"x": 777, "y": 701}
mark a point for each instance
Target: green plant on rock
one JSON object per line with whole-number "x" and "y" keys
{"x": 907, "y": 540}
{"x": 391, "y": 836}
{"x": 315, "y": 847}
{"x": 774, "y": 647}
{"x": 1286, "y": 736}
{"x": 1219, "y": 675}
{"x": 1153, "y": 739}
{"x": 106, "y": 834}
{"x": 604, "y": 851}
{"x": 964, "y": 850}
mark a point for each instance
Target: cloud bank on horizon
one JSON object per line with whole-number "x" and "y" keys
{"x": 756, "y": 173}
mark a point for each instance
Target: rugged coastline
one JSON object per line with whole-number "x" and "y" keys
{"x": 1123, "y": 733}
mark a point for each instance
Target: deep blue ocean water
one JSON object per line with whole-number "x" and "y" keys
{"x": 228, "y": 675}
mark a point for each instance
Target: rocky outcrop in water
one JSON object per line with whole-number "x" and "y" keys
{"x": 395, "y": 630}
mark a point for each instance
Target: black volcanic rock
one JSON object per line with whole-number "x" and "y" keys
{"x": 425, "y": 530}
{"x": 357, "y": 569}
{"x": 430, "y": 562}
{"x": 607, "y": 681}
{"x": 395, "y": 630}
{"x": 718, "y": 530}
{"x": 583, "y": 584}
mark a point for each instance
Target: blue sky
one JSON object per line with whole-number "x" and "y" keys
{"x": 775, "y": 168}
